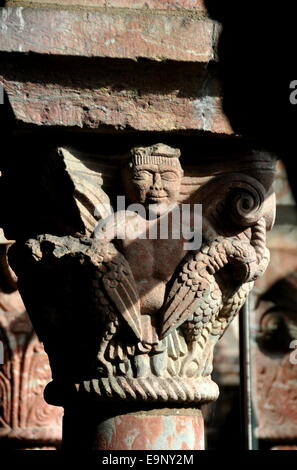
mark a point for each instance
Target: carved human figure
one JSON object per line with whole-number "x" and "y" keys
{"x": 152, "y": 179}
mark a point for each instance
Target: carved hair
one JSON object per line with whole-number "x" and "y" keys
{"x": 155, "y": 155}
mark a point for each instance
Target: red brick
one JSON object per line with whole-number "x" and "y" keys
{"x": 117, "y": 35}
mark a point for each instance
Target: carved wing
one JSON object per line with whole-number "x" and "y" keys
{"x": 99, "y": 264}
{"x": 88, "y": 177}
{"x": 194, "y": 297}
{"x": 119, "y": 284}
{"x": 81, "y": 289}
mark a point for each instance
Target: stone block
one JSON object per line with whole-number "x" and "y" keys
{"x": 124, "y": 95}
{"x": 129, "y": 35}
{"x": 175, "y": 5}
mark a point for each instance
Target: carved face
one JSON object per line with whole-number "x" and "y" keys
{"x": 154, "y": 184}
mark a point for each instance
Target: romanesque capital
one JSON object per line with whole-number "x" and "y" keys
{"x": 131, "y": 302}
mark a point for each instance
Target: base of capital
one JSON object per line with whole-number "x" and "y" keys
{"x": 179, "y": 390}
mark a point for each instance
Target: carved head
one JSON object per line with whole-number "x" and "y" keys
{"x": 154, "y": 175}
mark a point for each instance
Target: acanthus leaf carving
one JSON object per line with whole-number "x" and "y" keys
{"x": 25, "y": 416}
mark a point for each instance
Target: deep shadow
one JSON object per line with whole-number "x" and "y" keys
{"x": 118, "y": 76}
{"x": 257, "y": 55}
{"x": 223, "y": 421}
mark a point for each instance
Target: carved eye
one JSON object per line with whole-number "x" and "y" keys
{"x": 169, "y": 176}
{"x": 142, "y": 175}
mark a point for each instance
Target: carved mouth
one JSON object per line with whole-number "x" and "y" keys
{"x": 156, "y": 198}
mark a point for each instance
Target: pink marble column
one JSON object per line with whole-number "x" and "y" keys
{"x": 154, "y": 429}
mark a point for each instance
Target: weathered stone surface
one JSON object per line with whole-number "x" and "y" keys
{"x": 129, "y": 428}
{"x": 136, "y": 286}
{"x": 177, "y": 5}
{"x": 178, "y": 431}
{"x": 152, "y": 309}
{"x": 121, "y": 95}
{"x": 158, "y": 4}
{"x": 130, "y": 325}
{"x": 96, "y": 109}
{"x": 117, "y": 35}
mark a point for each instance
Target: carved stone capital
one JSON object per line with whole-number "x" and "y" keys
{"x": 136, "y": 318}
{"x": 26, "y": 420}
{"x": 274, "y": 323}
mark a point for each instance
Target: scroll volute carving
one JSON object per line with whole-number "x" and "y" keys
{"x": 137, "y": 317}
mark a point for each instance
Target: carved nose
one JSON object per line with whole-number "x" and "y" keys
{"x": 157, "y": 182}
